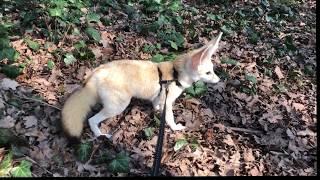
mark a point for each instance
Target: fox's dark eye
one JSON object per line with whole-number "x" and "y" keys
{"x": 208, "y": 72}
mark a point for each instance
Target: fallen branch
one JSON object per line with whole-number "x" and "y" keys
{"x": 37, "y": 100}
{"x": 221, "y": 126}
{"x": 95, "y": 148}
{"x": 35, "y": 162}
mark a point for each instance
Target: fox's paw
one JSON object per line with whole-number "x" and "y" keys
{"x": 108, "y": 136}
{"x": 157, "y": 107}
{"x": 178, "y": 127}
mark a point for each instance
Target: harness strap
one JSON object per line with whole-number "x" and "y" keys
{"x": 175, "y": 78}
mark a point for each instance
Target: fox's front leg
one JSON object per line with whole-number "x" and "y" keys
{"x": 156, "y": 103}
{"x": 173, "y": 94}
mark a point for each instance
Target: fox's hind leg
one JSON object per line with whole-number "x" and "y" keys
{"x": 113, "y": 104}
{"x": 94, "y": 122}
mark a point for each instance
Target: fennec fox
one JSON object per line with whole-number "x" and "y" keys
{"x": 115, "y": 83}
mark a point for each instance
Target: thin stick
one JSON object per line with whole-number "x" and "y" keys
{"x": 95, "y": 148}
{"x": 238, "y": 129}
{"x": 35, "y": 162}
{"x": 65, "y": 34}
{"x": 39, "y": 101}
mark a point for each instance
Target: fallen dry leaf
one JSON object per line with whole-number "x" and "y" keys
{"x": 228, "y": 140}
{"x": 278, "y": 72}
{"x": 7, "y": 84}
{"x": 287, "y": 147}
{"x": 298, "y": 106}
{"x": 255, "y": 172}
{"x": 7, "y": 122}
{"x": 30, "y": 121}
{"x": 306, "y": 132}
{"x": 97, "y": 52}
{"x": 248, "y": 155}
{"x": 1, "y": 103}
{"x": 272, "y": 117}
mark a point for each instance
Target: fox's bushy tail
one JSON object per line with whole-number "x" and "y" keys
{"x": 76, "y": 108}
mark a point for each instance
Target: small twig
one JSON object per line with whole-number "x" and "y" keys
{"x": 238, "y": 129}
{"x": 278, "y": 153}
{"x": 95, "y": 148}
{"x": 35, "y": 162}
{"x": 65, "y": 34}
{"x": 39, "y": 101}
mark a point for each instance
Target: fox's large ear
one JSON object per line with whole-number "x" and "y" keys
{"x": 205, "y": 52}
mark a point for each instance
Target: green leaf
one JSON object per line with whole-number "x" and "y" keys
{"x": 120, "y": 164}
{"x": 80, "y": 44}
{"x": 156, "y": 120}
{"x": 76, "y": 32}
{"x": 158, "y": 46}
{"x": 173, "y": 45}
{"x": 148, "y": 132}
{"x": 10, "y": 53}
{"x": 33, "y": 45}
{"x": 93, "y": 17}
{"x": 157, "y": 58}
{"x": 171, "y": 57}
{"x": 93, "y": 33}
{"x": 214, "y": 17}
{"x": 200, "y": 88}
{"x": 120, "y": 38}
{"x": 194, "y": 144}
{"x": 105, "y": 156}
{"x": 197, "y": 89}
{"x": 179, "y": 19}
{"x": 69, "y": 59}
{"x": 194, "y": 10}
{"x": 6, "y": 165}
{"x": 289, "y": 43}
{"x": 18, "y": 150}
{"x": 174, "y": 5}
{"x": 174, "y": 36}
{"x": 12, "y": 71}
{"x": 179, "y": 144}
{"x": 50, "y": 64}
{"x": 148, "y": 48}
{"x": 265, "y": 3}
{"x": 258, "y": 11}
{"x": 269, "y": 18}
{"x": 309, "y": 70}
{"x": 55, "y": 12}
{"x": 241, "y": 13}
{"x": 106, "y": 21}
{"x": 60, "y": 3}
{"x": 229, "y": 61}
{"x": 226, "y": 30}
{"x": 254, "y": 38}
{"x": 23, "y": 170}
{"x": 251, "y": 78}
{"x": 83, "y": 151}
{"x": 281, "y": 88}
{"x": 267, "y": 71}
{"x": 4, "y": 43}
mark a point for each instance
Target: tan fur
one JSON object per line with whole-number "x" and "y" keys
{"x": 166, "y": 69}
{"x": 138, "y": 75}
{"x": 115, "y": 83}
{"x": 76, "y": 108}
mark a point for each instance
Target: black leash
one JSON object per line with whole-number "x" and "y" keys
{"x": 158, "y": 154}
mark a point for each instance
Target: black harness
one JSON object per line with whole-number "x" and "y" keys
{"x": 175, "y": 78}
{"x": 158, "y": 154}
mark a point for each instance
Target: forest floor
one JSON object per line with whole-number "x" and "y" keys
{"x": 259, "y": 120}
